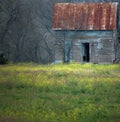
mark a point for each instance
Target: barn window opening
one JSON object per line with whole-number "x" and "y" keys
{"x": 85, "y": 52}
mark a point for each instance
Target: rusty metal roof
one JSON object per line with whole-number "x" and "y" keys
{"x": 85, "y": 16}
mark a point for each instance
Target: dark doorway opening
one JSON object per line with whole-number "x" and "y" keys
{"x": 86, "y": 56}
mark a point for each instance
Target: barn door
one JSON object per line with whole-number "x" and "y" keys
{"x": 85, "y": 52}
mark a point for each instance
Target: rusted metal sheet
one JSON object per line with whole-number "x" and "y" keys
{"x": 85, "y": 16}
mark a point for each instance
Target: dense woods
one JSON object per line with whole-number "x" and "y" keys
{"x": 26, "y": 29}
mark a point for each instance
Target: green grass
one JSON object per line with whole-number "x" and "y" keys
{"x": 60, "y": 93}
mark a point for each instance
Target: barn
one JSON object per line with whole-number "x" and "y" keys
{"x": 85, "y": 32}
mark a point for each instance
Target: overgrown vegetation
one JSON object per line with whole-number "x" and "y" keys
{"x": 60, "y": 93}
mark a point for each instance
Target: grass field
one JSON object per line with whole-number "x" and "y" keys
{"x": 60, "y": 93}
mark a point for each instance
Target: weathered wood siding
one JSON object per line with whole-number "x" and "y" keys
{"x": 118, "y": 47}
{"x": 101, "y": 45}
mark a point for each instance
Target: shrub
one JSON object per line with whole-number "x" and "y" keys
{"x": 3, "y": 60}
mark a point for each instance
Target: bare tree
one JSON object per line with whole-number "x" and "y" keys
{"x": 8, "y": 15}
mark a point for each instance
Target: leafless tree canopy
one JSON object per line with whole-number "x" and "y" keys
{"x": 26, "y": 29}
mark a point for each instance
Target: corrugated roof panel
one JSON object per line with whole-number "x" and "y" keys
{"x": 84, "y": 19}
{"x": 90, "y": 24}
{"x": 78, "y": 14}
{"x": 85, "y": 16}
{"x": 96, "y": 14}
{"x": 59, "y": 16}
{"x": 67, "y": 19}
{"x": 108, "y": 8}
{"x": 102, "y": 16}
{"x": 113, "y": 16}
